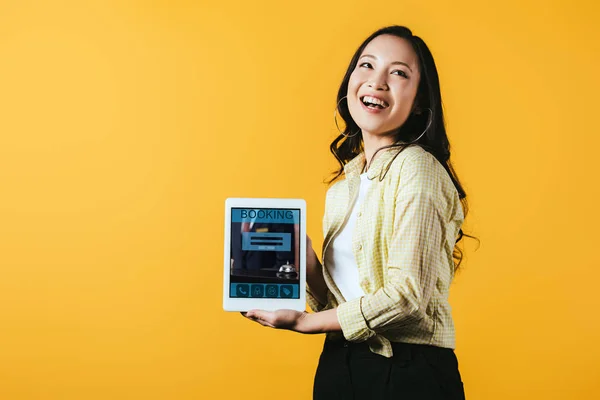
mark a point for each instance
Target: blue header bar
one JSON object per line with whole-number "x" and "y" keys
{"x": 266, "y": 215}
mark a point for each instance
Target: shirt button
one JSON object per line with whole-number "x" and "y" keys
{"x": 359, "y": 214}
{"x": 360, "y": 247}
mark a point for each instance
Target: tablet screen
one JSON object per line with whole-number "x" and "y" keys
{"x": 265, "y": 253}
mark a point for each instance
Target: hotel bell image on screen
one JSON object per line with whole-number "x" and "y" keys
{"x": 287, "y": 271}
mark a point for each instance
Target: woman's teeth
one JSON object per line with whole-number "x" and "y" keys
{"x": 373, "y": 102}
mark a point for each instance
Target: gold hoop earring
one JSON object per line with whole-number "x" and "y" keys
{"x": 336, "y": 123}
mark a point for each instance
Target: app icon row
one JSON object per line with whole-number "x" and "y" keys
{"x": 260, "y": 290}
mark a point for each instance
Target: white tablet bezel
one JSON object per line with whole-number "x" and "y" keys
{"x": 270, "y": 304}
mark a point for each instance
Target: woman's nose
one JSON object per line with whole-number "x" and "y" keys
{"x": 378, "y": 84}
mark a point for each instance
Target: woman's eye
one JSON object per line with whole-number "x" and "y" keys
{"x": 400, "y": 73}
{"x": 366, "y": 65}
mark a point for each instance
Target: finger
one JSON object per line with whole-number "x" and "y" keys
{"x": 264, "y": 323}
{"x": 255, "y": 318}
{"x": 253, "y": 313}
{"x": 260, "y": 315}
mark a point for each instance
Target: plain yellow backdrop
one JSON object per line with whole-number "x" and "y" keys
{"x": 125, "y": 125}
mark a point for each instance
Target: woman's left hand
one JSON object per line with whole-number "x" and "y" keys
{"x": 303, "y": 322}
{"x": 281, "y": 319}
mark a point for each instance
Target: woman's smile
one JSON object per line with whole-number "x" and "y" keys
{"x": 373, "y": 105}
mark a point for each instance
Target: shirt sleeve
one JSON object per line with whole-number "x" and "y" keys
{"x": 413, "y": 256}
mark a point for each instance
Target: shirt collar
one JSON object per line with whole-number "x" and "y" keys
{"x": 356, "y": 166}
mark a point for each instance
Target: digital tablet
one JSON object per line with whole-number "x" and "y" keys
{"x": 265, "y": 249}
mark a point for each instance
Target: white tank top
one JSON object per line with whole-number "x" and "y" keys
{"x": 339, "y": 258}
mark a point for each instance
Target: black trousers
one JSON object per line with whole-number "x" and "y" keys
{"x": 350, "y": 371}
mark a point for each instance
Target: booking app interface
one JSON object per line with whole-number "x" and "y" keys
{"x": 265, "y": 253}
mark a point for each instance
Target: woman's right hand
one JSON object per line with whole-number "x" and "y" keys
{"x": 311, "y": 257}
{"x": 314, "y": 273}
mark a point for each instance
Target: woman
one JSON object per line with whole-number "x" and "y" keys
{"x": 391, "y": 228}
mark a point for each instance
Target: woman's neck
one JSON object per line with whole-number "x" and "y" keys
{"x": 372, "y": 143}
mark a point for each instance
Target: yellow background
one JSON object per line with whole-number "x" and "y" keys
{"x": 123, "y": 128}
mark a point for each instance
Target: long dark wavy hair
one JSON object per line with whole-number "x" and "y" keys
{"x": 435, "y": 141}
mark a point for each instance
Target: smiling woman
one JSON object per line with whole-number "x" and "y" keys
{"x": 383, "y": 85}
{"x": 391, "y": 227}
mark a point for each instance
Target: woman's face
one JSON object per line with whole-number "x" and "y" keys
{"x": 383, "y": 86}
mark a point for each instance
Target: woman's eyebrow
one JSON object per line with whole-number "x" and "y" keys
{"x": 395, "y": 62}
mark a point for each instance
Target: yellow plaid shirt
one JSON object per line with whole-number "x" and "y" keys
{"x": 405, "y": 233}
